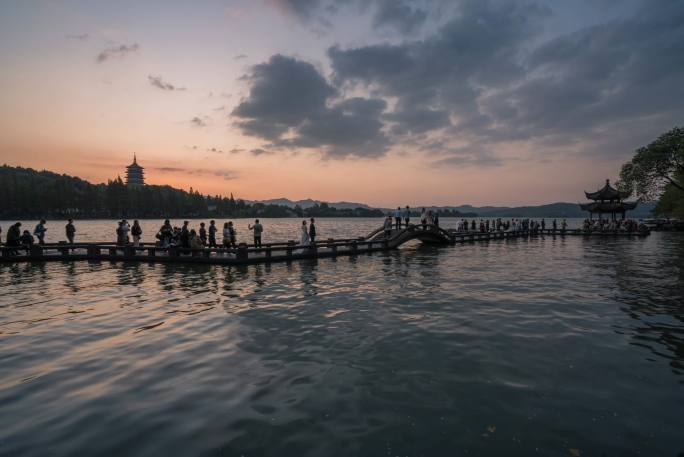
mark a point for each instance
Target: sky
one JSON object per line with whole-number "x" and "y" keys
{"x": 385, "y": 102}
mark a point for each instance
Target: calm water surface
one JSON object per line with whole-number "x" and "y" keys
{"x": 547, "y": 346}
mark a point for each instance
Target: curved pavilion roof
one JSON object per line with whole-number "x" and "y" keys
{"x": 608, "y": 207}
{"x": 608, "y": 192}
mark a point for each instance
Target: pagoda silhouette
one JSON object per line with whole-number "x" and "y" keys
{"x": 135, "y": 176}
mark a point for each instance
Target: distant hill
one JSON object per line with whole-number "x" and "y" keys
{"x": 559, "y": 209}
{"x": 550, "y": 210}
{"x": 308, "y": 203}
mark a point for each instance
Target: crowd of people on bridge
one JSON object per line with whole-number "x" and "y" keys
{"x": 613, "y": 225}
{"x": 205, "y": 235}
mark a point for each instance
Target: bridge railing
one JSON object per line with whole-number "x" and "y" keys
{"x": 242, "y": 251}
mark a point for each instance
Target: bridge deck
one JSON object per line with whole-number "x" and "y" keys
{"x": 273, "y": 252}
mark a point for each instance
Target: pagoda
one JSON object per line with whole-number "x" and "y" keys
{"x": 135, "y": 176}
{"x": 607, "y": 200}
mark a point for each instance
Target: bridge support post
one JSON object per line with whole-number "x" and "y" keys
{"x": 242, "y": 251}
{"x": 331, "y": 245}
{"x": 94, "y": 252}
{"x": 354, "y": 246}
{"x": 151, "y": 252}
{"x": 288, "y": 250}
{"x": 36, "y": 251}
{"x": 268, "y": 252}
{"x": 129, "y": 251}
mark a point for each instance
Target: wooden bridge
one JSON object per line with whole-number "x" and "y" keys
{"x": 377, "y": 240}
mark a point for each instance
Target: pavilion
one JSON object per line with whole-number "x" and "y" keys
{"x": 608, "y": 200}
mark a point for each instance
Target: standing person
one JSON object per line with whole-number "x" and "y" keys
{"x": 423, "y": 219}
{"x": 165, "y": 233}
{"x": 312, "y": 231}
{"x": 185, "y": 235}
{"x": 212, "y": 234}
{"x": 407, "y": 215}
{"x": 397, "y": 218}
{"x": 232, "y": 234}
{"x": 119, "y": 234}
{"x": 14, "y": 236}
{"x": 226, "y": 235}
{"x": 304, "y": 239}
{"x": 203, "y": 234}
{"x": 70, "y": 231}
{"x": 258, "y": 229}
{"x": 39, "y": 231}
{"x": 564, "y": 224}
{"x": 543, "y": 224}
{"x": 136, "y": 231}
{"x": 125, "y": 228}
{"x": 436, "y": 218}
{"x": 388, "y": 227}
{"x": 554, "y": 225}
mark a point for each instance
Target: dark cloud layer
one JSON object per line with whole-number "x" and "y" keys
{"x": 158, "y": 82}
{"x": 292, "y": 105}
{"x": 405, "y": 16}
{"x": 484, "y": 78}
{"x": 116, "y": 52}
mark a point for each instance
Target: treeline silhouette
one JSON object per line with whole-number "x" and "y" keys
{"x": 27, "y": 193}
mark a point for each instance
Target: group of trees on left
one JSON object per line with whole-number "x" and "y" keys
{"x": 30, "y": 194}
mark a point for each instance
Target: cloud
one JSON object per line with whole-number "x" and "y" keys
{"x": 260, "y": 151}
{"x": 116, "y": 51}
{"x": 77, "y": 37}
{"x": 158, "y": 82}
{"x": 399, "y": 15}
{"x": 404, "y": 16}
{"x": 468, "y": 157}
{"x": 198, "y": 122}
{"x": 488, "y": 77}
{"x": 236, "y": 151}
{"x": 292, "y": 105}
{"x": 301, "y": 9}
{"x": 240, "y": 57}
{"x": 225, "y": 174}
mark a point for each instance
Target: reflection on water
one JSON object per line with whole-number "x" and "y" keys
{"x": 516, "y": 347}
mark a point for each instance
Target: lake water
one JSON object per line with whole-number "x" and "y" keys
{"x": 549, "y": 346}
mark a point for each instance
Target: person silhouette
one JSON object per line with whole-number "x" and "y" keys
{"x": 258, "y": 229}
{"x": 312, "y": 231}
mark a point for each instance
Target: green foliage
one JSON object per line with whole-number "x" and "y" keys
{"x": 671, "y": 202}
{"x": 656, "y": 166}
{"x": 27, "y": 193}
{"x": 656, "y": 172}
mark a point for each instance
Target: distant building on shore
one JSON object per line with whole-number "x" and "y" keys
{"x": 135, "y": 176}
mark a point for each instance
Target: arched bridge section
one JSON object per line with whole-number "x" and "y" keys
{"x": 396, "y": 237}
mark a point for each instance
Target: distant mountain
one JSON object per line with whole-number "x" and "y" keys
{"x": 308, "y": 203}
{"x": 559, "y": 209}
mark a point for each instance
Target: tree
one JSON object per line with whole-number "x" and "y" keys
{"x": 656, "y": 167}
